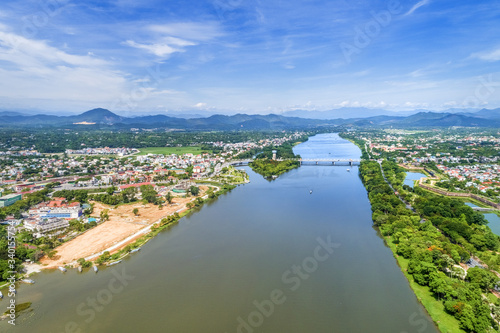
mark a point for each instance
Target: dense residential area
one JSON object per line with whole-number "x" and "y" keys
{"x": 53, "y": 199}
{"x": 467, "y": 160}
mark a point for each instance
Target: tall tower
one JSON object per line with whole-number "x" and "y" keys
{"x": 274, "y": 154}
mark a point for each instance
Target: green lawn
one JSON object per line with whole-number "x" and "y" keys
{"x": 172, "y": 150}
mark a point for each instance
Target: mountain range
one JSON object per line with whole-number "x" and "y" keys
{"x": 102, "y": 118}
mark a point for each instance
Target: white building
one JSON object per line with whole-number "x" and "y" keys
{"x": 40, "y": 227}
{"x": 69, "y": 212}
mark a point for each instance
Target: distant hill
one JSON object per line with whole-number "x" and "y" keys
{"x": 429, "y": 119}
{"x": 10, "y": 114}
{"x": 97, "y": 118}
{"x": 102, "y": 118}
{"x": 346, "y": 113}
{"x": 446, "y": 120}
{"x": 487, "y": 114}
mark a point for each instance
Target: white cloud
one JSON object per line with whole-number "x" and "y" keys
{"x": 158, "y": 49}
{"x": 449, "y": 104}
{"x": 417, "y": 6}
{"x": 417, "y": 73}
{"x": 34, "y": 70}
{"x": 165, "y": 92}
{"x": 488, "y": 56}
{"x": 27, "y": 52}
{"x": 200, "y": 105}
{"x": 143, "y": 80}
{"x": 189, "y": 30}
{"x": 176, "y": 37}
{"x": 414, "y": 105}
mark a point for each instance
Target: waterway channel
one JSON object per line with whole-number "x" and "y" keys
{"x": 270, "y": 256}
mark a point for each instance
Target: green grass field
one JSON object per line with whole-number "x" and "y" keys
{"x": 172, "y": 150}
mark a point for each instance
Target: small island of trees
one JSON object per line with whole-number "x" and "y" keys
{"x": 270, "y": 168}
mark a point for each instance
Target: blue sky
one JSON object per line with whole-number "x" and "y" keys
{"x": 248, "y": 56}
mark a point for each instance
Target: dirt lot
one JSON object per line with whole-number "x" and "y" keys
{"x": 122, "y": 223}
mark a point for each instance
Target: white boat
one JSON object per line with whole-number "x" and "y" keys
{"x": 96, "y": 269}
{"x": 114, "y": 263}
{"x": 348, "y": 170}
{"x": 62, "y": 269}
{"x": 80, "y": 269}
{"x": 28, "y": 281}
{"x": 1, "y": 295}
{"x": 311, "y": 191}
{"x": 135, "y": 250}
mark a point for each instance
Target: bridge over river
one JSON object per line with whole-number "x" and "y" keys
{"x": 309, "y": 161}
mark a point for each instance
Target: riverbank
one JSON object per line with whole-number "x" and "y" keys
{"x": 425, "y": 241}
{"x": 371, "y": 174}
{"x": 221, "y": 252}
{"x": 124, "y": 228}
{"x": 122, "y": 224}
{"x": 434, "y": 307}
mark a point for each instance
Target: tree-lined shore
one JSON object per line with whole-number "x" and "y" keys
{"x": 432, "y": 246}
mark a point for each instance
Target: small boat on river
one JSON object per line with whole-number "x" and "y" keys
{"x": 114, "y": 263}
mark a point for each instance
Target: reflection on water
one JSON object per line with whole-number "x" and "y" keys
{"x": 411, "y": 177}
{"x": 494, "y": 222}
{"x": 493, "y": 219}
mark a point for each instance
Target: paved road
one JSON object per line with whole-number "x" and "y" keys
{"x": 390, "y": 185}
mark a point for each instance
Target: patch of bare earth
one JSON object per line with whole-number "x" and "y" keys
{"x": 122, "y": 223}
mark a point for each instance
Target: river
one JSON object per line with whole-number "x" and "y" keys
{"x": 492, "y": 218}
{"x": 411, "y": 177}
{"x": 267, "y": 257}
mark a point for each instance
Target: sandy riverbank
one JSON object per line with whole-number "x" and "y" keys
{"x": 122, "y": 225}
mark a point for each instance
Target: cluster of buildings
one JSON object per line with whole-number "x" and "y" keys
{"x": 20, "y": 153}
{"x": 103, "y": 151}
{"x": 96, "y": 168}
{"x": 481, "y": 176}
{"x": 201, "y": 163}
{"x": 458, "y": 156}
{"x": 239, "y": 147}
{"x": 51, "y": 167}
{"x": 52, "y": 217}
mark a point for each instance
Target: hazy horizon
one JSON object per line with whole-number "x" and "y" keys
{"x": 344, "y": 111}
